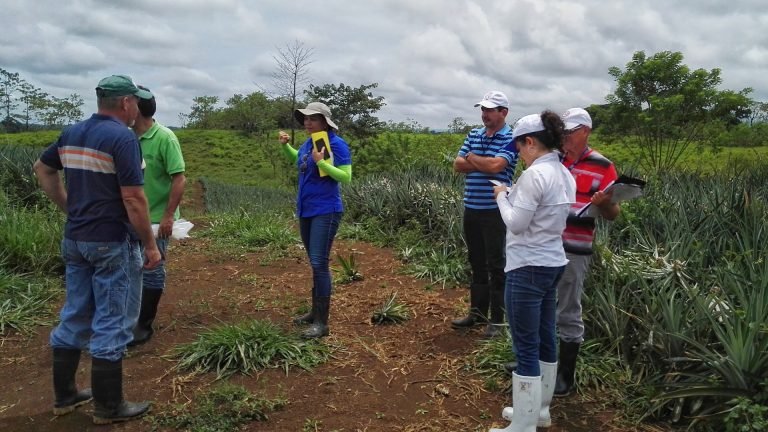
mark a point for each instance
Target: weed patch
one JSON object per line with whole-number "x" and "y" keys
{"x": 25, "y": 302}
{"x": 246, "y": 347}
{"x": 224, "y": 408}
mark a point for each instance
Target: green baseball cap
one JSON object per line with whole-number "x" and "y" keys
{"x": 120, "y": 85}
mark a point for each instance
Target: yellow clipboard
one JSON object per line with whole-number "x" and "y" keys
{"x": 320, "y": 140}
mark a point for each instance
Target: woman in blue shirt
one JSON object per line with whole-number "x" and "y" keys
{"x": 318, "y": 205}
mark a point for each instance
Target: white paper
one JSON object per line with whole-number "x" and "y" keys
{"x": 621, "y": 192}
{"x": 180, "y": 229}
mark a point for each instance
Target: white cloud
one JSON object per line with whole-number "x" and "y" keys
{"x": 432, "y": 59}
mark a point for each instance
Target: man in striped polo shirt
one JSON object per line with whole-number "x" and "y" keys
{"x": 488, "y": 153}
{"x": 593, "y": 172}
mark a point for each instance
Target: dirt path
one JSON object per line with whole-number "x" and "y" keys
{"x": 409, "y": 377}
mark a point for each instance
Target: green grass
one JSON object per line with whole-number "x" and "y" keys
{"x": 26, "y": 301}
{"x": 222, "y": 197}
{"x": 700, "y": 159}
{"x": 248, "y": 232}
{"x": 488, "y": 360}
{"x": 226, "y": 407}
{"x": 234, "y": 158}
{"x": 17, "y": 181}
{"x": 30, "y": 238}
{"x": 247, "y": 347}
{"x": 30, "y": 139}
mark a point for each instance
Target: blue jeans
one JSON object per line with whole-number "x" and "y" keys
{"x": 101, "y": 280}
{"x": 531, "y": 301}
{"x": 155, "y": 278}
{"x": 317, "y": 234}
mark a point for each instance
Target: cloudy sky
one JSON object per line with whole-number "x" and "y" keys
{"x": 432, "y": 59}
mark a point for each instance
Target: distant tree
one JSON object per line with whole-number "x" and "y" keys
{"x": 662, "y": 107}
{"x": 600, "y": 114}
{"x": 292, "y": 61}
{"x": 352, "y": 108}
{"x": 731, "y": 107}
{"x": 70, "y": 108}
{"x": 9, "y": 84}
{"x": 459, "y": 126}
{"x": 252, "y": 113}
{"x": 758, "y": 112}
{"x": 203, "y": 110}
{"x": 408, "y": 126}
{"x": 183, "y": 120}
{"x": 52, "y": 114}
{"x": 33, "y": 103}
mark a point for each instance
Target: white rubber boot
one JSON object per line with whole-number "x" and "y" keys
{"x": 526, "y": 398}
{"x": 548, "y": 377}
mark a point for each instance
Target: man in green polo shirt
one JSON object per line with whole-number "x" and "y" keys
{"x": 164, "y": 187}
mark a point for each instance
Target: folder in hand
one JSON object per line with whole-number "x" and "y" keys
{"x": 320, "y": 140}
{"x": 624, "y": 188}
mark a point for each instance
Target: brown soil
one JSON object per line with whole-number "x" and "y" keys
{"x": 409, "y": 377}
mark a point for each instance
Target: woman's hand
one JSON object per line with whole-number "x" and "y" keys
{"x": 499, "y": 189}
{"x": 317, "y": 156}
{"x": 283, "y": 137}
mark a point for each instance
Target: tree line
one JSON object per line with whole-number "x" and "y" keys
{"x": 659, "y": 107}
{"x": 24, "y": 107}
{"x": 353, "y": 109}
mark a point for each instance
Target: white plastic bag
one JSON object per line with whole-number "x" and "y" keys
{"x": 180, "y": 229}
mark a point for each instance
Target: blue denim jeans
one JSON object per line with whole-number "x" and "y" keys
{"x": 317, "y": 234}
{"x": 531, "y": 301}
{"x": 155, "y": 278}
{"x": 102, "y": 278}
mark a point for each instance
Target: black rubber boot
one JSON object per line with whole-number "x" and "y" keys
{"x": 142, "y": 333}
{"x": 107, "y": 383}
{"x": 319, "y": 327}
{"x": 65, "y": 363}
{"x": 479, "y": 297}
{"x": 309, "y": 317}
{"x": 496, "y": 324}
{"x": 566, "y": 368}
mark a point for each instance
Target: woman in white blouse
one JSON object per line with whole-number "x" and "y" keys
{"x": 534, "y": 211}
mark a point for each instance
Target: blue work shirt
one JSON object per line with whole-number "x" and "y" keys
{"x": 478, "y": 190}
{"x": 320, "y": 195}
{"x": 99, "y": 156}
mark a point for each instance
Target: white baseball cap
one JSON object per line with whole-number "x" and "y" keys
{"x": 494, "y": 99}
{"x": 528, "y": 124}
{"x": 576, "y": 117}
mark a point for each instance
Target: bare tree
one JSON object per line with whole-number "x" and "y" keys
{"x": 292, "y": 62}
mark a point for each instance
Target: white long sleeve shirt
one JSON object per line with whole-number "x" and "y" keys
{"x": 535, "y": 211}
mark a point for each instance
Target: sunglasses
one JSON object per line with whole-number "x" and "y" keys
{"x": 303, "y": 165}
{"x": 574, "y": 130}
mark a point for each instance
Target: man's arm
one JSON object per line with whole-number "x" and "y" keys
{"x": 488, "y": 165}
{"x": 178, "y": 181}
{"x": 51, "y": 183}
{"x": 461, "y": 165}
{"x": 135, "y": 203}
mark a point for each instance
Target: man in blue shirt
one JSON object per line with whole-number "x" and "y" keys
{"x": 488, "y": 153}
{"x": 107, "y": 222}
